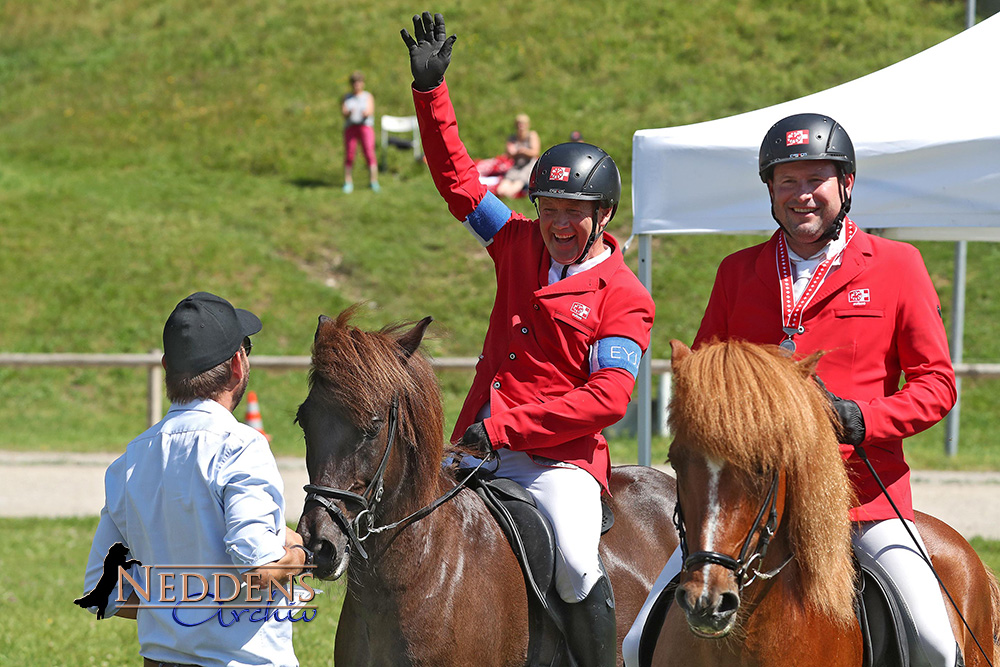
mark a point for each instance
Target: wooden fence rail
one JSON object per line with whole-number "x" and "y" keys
{"x": 151, "y": 361}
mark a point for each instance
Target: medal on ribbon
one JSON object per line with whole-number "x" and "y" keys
{"x": 791, "y": 310}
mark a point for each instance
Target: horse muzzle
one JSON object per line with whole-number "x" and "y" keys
{"x": 710, "y": 614}
{"x": 330, "y": 547}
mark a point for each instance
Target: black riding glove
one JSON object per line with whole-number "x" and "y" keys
{"x": 476, "y": 440}
{"x": 851, "y": 426}
{"x": 430, "y": 52}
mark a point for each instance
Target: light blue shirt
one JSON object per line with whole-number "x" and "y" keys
{"x": 199, "y": 488}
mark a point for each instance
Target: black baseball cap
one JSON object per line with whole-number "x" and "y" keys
{"x": 203, "y": 331}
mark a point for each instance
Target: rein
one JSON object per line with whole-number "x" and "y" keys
{"x": 363, "y": 525}
{"x": 860, "y": 451}
{"x": 740, "y": 567}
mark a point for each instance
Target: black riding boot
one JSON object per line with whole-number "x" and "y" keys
{"x": 959, "y": 660}
{"x": 593, "y": 635}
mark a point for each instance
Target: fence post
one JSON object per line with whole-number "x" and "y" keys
{"x": 154, "y": 408}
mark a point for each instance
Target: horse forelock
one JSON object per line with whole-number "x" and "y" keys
{"x": 752, "y": 407}
{"x": 360, "y": 372}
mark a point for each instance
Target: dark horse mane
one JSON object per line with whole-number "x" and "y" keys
{"x": 359, "y": 371}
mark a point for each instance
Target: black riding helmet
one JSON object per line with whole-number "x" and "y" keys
{"x": 577, "y": 170}
{"x": 809, "y": 136}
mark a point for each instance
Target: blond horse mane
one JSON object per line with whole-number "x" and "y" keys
{"x": 753, "y": 407}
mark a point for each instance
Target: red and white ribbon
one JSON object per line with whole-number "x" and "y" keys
{"x": 791, "y": 311}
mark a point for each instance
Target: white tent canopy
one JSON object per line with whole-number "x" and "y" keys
{"x": 926, "y": 132}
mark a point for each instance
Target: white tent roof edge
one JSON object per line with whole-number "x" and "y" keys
{"x": 926, "y": 133}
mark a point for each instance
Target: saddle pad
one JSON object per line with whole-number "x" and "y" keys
{"x": 528, "y": 531}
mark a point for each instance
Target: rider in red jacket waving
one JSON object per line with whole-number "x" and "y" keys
{"x": 569, "y": 325}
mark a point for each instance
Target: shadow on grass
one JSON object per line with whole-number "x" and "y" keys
{"x": 310, "y": 183}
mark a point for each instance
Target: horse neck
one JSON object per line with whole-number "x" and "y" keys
{"x": 775, "y": 609}
{"x": 408, "y": 488}
{"x": 405, "y": 561}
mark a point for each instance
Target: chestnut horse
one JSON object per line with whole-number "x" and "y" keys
{"x": 753, "y": 435}
{"x": 439, "y": 587}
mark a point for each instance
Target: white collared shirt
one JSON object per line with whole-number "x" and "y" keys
{"x": 556, "y": 269}
{"x": 198, "y": 488}
{"x": 803, "y": 268}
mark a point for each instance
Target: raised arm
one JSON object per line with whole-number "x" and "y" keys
{"x": 454, "y": 172}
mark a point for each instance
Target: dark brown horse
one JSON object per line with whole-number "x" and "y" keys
{"x": 753, "y": 431}
{"x": 443, "y": 589}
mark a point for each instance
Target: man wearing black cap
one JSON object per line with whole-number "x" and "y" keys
{"x": 200, "y": 488}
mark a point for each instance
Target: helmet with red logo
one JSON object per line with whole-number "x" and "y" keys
{"x": 806, "y": 136}
{"x": 809, "y": 136}
{"x": 577, "y": 170}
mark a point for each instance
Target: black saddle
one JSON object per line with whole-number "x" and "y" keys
{"x": 882, "y": 624}
{"x": 531, "y": 538}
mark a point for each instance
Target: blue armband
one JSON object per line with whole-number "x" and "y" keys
{"x": 487, "y": 219}
{"x": 616, "y": 352}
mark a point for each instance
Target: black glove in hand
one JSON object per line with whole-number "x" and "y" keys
{"x": 852, "y": 421}
{"x": 476, "y": 440}
{"x": 430, "y": 52}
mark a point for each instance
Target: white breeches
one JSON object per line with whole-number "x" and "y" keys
{"x": 570, "y": 498}
{"x": 883, "y": 545}
{"x": 886, "y": 546}
{"x": 630, "y": 645}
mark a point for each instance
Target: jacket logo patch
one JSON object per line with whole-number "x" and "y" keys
{"x": 859, "y": 297}
{"x": 579, "y": 311}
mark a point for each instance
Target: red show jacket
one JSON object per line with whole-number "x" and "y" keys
{"x": 878, "y": 318}
{"x": 535, "y": 369}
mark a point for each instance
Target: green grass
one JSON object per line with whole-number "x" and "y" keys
{"x": 41, "y": 573}
{"x": 152, "y": 149}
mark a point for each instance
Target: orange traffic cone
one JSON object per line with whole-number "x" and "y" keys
{"x": 253, "y": 415}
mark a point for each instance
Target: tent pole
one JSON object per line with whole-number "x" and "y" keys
{"x": 645, "y": 379}
{"x": 958, "y": 308}
{"x": 957, "y": 336}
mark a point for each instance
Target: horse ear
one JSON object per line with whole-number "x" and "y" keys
{"x": 678, "y": 353}
{"x": 410, "y": 340}
{"x": 323, "y": 319}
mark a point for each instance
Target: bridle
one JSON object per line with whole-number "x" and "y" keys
{"x": 358, "y": 530}
{"x": 740, "y": 567}
{"x": 363, "y": 525}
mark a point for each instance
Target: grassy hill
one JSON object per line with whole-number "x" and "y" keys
{"x": 152, "y": 149}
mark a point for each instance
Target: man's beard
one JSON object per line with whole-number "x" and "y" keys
{"x": 238, "y": 394}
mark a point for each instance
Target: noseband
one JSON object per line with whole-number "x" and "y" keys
{"x": 363, "y": 525}
{"x": 740, "y": 567}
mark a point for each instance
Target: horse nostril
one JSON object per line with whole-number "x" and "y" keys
{"x": 681, "y": 598}
{"x": 325, "y": 550}
{"x": 728, "y": 604}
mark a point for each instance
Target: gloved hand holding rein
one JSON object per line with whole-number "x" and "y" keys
{"x": 430, "y": 52}
{"x": 851, "y": 426}
{"x": 476, "y": 441}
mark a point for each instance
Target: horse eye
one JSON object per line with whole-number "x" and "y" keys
{"x": 373, "y": 430}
